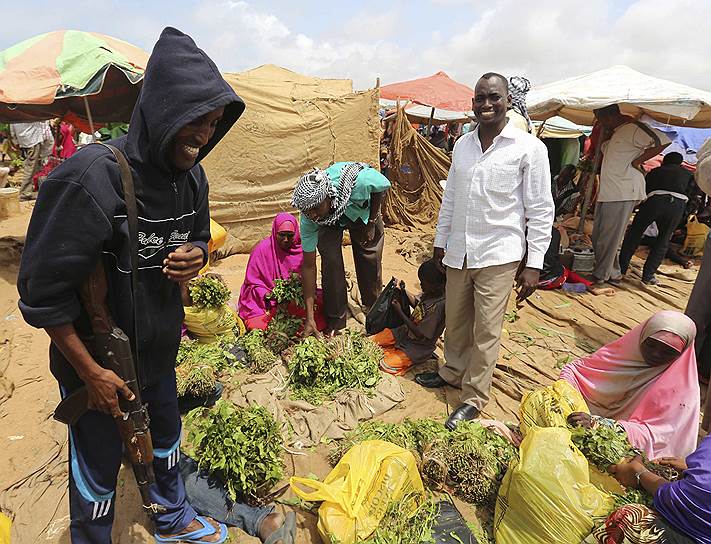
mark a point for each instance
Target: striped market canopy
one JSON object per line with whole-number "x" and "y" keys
{"x": 40, "y": 72}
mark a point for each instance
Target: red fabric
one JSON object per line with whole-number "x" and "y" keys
{"x": 438, "y": 91}
{"x": 654, "y": 162}
{"x": 66, "y": 137}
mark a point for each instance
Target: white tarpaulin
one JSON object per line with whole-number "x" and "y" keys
{"x": 421, "y": 114}
{"x": 575, "y": 98}
{"x": 558, "y": 127}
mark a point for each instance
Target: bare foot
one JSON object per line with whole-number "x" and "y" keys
{"x": 270, "y": 524}
{"x": 195, "y": 525}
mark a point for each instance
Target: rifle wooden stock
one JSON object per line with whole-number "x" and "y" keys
{"x": 112, "y": 350}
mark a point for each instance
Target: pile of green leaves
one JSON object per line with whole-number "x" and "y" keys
{"x": 195, "y": 379}
{"x": 259, "y": 356}
{"x": 288, "y": 290}
{"x": 215, "y": 354}
{"x": 411, "y": 434}
{"x": 602, "y": 445}
{"x": 471, "y": 460}
{"x": 633, "y": 496}
{"x": 397, "y": 527}
{"x": 208, "y": 291}
{"x": 319, "y": 369}
{"x": 282, "y": 331}
{"x": 239, "y": 446}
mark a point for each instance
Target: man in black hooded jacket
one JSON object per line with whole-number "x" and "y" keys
{"x": 184, "y": 109}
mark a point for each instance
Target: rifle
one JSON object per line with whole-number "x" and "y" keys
{"x": 112, "y": 350}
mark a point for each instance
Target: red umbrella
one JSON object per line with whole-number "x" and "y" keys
{"x": 437, "y": 91}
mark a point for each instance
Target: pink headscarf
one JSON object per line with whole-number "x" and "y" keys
{"x": 268, "y": 262}
{"x": 657, "y": 405}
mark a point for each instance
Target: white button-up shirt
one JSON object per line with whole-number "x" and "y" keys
{"x": 496, "y": 202}
{"x": 29, "y": 134}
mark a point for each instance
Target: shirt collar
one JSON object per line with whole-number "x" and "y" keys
{"x": 509, "y": 131}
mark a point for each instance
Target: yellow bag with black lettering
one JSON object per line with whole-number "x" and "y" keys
{"x": 696, "y": 233}
{"x": 550, "y": 406}
{"x": 357, "y": 492}
{"x": 546, "y": 496}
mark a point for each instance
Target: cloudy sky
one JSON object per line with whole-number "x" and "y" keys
{"x": 395, "y": 40}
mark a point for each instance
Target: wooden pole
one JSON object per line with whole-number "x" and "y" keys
{"x": 590, "y": 185}
{"x": 429, "y": 122}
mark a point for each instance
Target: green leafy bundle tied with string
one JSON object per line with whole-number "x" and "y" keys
{"x": 208, "y": 291}
{"x": 288, "y": 290}
{"x": 259, "y": 356}
{"x": 319, "y": 369}
{"x": 215, "y": 354}
{"x": 240, "y": 446}
{"x": 282, "y": 331}
{"x": 471, "y": 460}
{"x": 196, "y": 379}
{"x": 411, "y": 434}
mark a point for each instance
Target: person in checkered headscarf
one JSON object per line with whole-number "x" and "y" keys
{"x": 347, "y": 195}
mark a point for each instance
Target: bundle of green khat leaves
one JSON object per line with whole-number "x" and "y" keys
{"x": 318, "y": 369}
{"x": 240, "y": 446}
{"x": 208, "y": 291}
{"x": 288, "y": 290}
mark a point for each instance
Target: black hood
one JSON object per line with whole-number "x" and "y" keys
{"x": 180, "y": 84}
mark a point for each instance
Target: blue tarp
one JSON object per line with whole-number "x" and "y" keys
{"x": 686, "y": 141}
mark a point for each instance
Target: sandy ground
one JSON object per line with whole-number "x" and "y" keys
{"x": 538, "y": 339}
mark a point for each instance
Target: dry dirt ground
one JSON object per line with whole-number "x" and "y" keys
{"x": 539, "y": 338}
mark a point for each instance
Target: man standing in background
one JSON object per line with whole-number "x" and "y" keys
{"x": 30, "y": 137}
{"x": 627, "y": 147}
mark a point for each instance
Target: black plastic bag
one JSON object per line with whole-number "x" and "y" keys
{"x": 381, "y": 315}
{"x": 450, "y": 527}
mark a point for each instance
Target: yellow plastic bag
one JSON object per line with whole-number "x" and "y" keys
{"x": 208, "y": 324}
{"x": 550, "y": 406}
{"x": 696, "y": 234}
{"x": 546, "y": 497}
{"x": 5, "y": 525}
{"x": 218, "y": 234}
{"x": 359, "y": 489}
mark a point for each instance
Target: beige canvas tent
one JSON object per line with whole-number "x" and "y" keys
{"x": 292, "y": 123}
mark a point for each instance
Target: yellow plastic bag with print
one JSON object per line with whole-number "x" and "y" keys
{"x": 357, "y": 492}
{"x": 550, "y": 406}
{"x": 546, "y": 497}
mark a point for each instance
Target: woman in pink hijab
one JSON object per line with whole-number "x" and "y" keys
{"x": 274, "y": 257}
{"x": 647, "y": 383}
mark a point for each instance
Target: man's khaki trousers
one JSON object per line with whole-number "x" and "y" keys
{"x": 475, "y": 306}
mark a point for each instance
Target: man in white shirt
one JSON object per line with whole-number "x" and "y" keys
{"x": 629, "y": 145}
{"x": 29, "y": 136}
{"x": 497, "y": 207}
